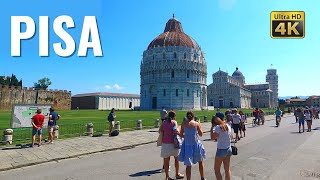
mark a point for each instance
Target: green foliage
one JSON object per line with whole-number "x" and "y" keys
{"x": 10, "y": 81}
{"x": 43, "y": 83}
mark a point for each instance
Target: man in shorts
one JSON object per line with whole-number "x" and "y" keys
{"x": 37, "y": 123}
{"x": 111, "y": 118}
{"x": 53, "y": 117}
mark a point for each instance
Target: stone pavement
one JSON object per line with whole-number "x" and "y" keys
{"x": 20, "y": 156}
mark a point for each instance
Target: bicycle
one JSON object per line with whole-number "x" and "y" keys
{"x": 255, "y": 122}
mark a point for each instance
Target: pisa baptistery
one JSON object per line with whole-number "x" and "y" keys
{"x": 173, "y": 72}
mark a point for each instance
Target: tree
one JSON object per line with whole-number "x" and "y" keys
{"x": 43, "y": 83}
{"x": 281, "y": 101}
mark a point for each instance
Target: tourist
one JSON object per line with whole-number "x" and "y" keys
{"x": 37, "y": 123}
{"x": 192, "y": 150}
{"x": 256, "y": 115}
{"x": 163, "y": 114}
{"x": 295, "y": 115}
{"x": 111, "y": 119}
{"x": 308, "y": 116}
{"x": 53, "y": 117}
{"x": 228, "y": 117}
{"x": 236, "y": 119}
{"x": 261, "y": 116}
{"x": 169, "y": 130}
{"x": 220, "y": 114}
{"x": 222, "y": 132}
{"x": 242, "y": 124}
{"x": 301, "y": 119}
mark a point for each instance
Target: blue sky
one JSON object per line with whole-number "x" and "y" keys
{"x": 232, "y": 33}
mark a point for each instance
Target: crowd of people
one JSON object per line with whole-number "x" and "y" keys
{"x": 193, "y": 152}
{"x": 306, "y": 114}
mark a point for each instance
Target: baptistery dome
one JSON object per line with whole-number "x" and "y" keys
{"x": 173, "y": 72}
{"x": 173, "y": 35}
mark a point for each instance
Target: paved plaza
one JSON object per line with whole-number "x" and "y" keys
{"x": 266, "y": 153}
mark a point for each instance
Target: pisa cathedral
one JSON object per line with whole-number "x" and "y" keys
{"x": 173, "y": 74}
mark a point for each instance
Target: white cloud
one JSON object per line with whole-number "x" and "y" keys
{"x": 117, "y": 87}
{"x": 227, "y": 4}
{"x": 107, "y": 87}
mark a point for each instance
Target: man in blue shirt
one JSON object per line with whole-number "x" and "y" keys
{"x": 53, "y": 117}
{"x": 278, "y": 113}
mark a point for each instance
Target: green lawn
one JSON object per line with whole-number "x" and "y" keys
{"x": 73, "y": 122}
{"x": 85, "y": 116}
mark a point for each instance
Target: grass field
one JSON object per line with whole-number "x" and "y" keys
{"x": 72, "y": 122}
{"x": 95, "y": 116}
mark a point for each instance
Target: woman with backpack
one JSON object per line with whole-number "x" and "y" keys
{"x": 169, "y": 130}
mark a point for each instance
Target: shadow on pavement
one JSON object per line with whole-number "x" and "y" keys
{"x": 146, "y": 173}
{"x": 296, "y": 132}
{"x": 18, "y": 146}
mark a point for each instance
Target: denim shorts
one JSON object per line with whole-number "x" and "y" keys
{"x": 224, "y": 152}
{"x": 301, "y": 121}
{"x": 34, "y": 131}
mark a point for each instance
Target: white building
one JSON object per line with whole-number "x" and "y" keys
{"x": 232, "y": 91}
{"x": 173, "y": 72}
{"x": 105, "y": 101}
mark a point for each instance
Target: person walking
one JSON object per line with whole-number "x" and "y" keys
{"x": 169, "y": 130}
{"x": 236, "y": 119}
{"x": 53, "y": 117}
{"x": 308, "y": 116}
{"x": 261, "y": 114}
{"x": 301, "y": 119}
{"x": 222, "y": 132}
{"x": 242, "y": 124}
{"x": 192, "y": 150}
{"x": 111, "y": 118}
{"x": 256, "y": 114}
{"x": 163, "y": 114}
{"x": 37, "y": 123}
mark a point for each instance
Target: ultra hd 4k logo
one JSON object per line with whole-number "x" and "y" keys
{"x": 89, "y": 29}
{"x": 287, "y": 24}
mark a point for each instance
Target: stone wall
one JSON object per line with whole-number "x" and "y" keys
{"x": 59, "y": 99}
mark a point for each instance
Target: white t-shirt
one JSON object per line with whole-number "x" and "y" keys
{"x": 243, "y": 118}
{"x": 308, "y": 116}
{"x": 236, "y": 118}
{"x": 223, "y": 138}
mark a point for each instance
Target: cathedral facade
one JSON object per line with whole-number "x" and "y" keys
{"x": 231, "y": 91}
{"x": 173, "y": 72}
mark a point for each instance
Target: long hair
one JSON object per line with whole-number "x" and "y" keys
{"x": 223, "y": 125}
{"x": 190, "y": 115}
{"x": 172, "y": 115}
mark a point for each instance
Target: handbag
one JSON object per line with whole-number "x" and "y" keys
{"x": 159, "y": 141}
{"x": 177, "y": 141}
{"x": 234, "y": 149}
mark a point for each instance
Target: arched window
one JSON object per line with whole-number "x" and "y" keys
{"x": 153, "y": 57}
{"x": 185, "y": 56}
{"x": 188, "y": 74}
{"x": 164, "y": 56}
{"x": 177, "y": 92}
{"x": 194, "y": 57}
{"x": 175, "y": 55}
{"x": 172, "y": 73}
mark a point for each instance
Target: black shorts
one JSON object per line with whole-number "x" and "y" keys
{"x": 236, "y": 128}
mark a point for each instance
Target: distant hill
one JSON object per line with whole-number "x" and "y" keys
{"x": 288, "y": 97}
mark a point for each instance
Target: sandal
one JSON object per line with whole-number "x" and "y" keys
{"x": 180, "y": 176}
{"x": 169, "y": 178}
